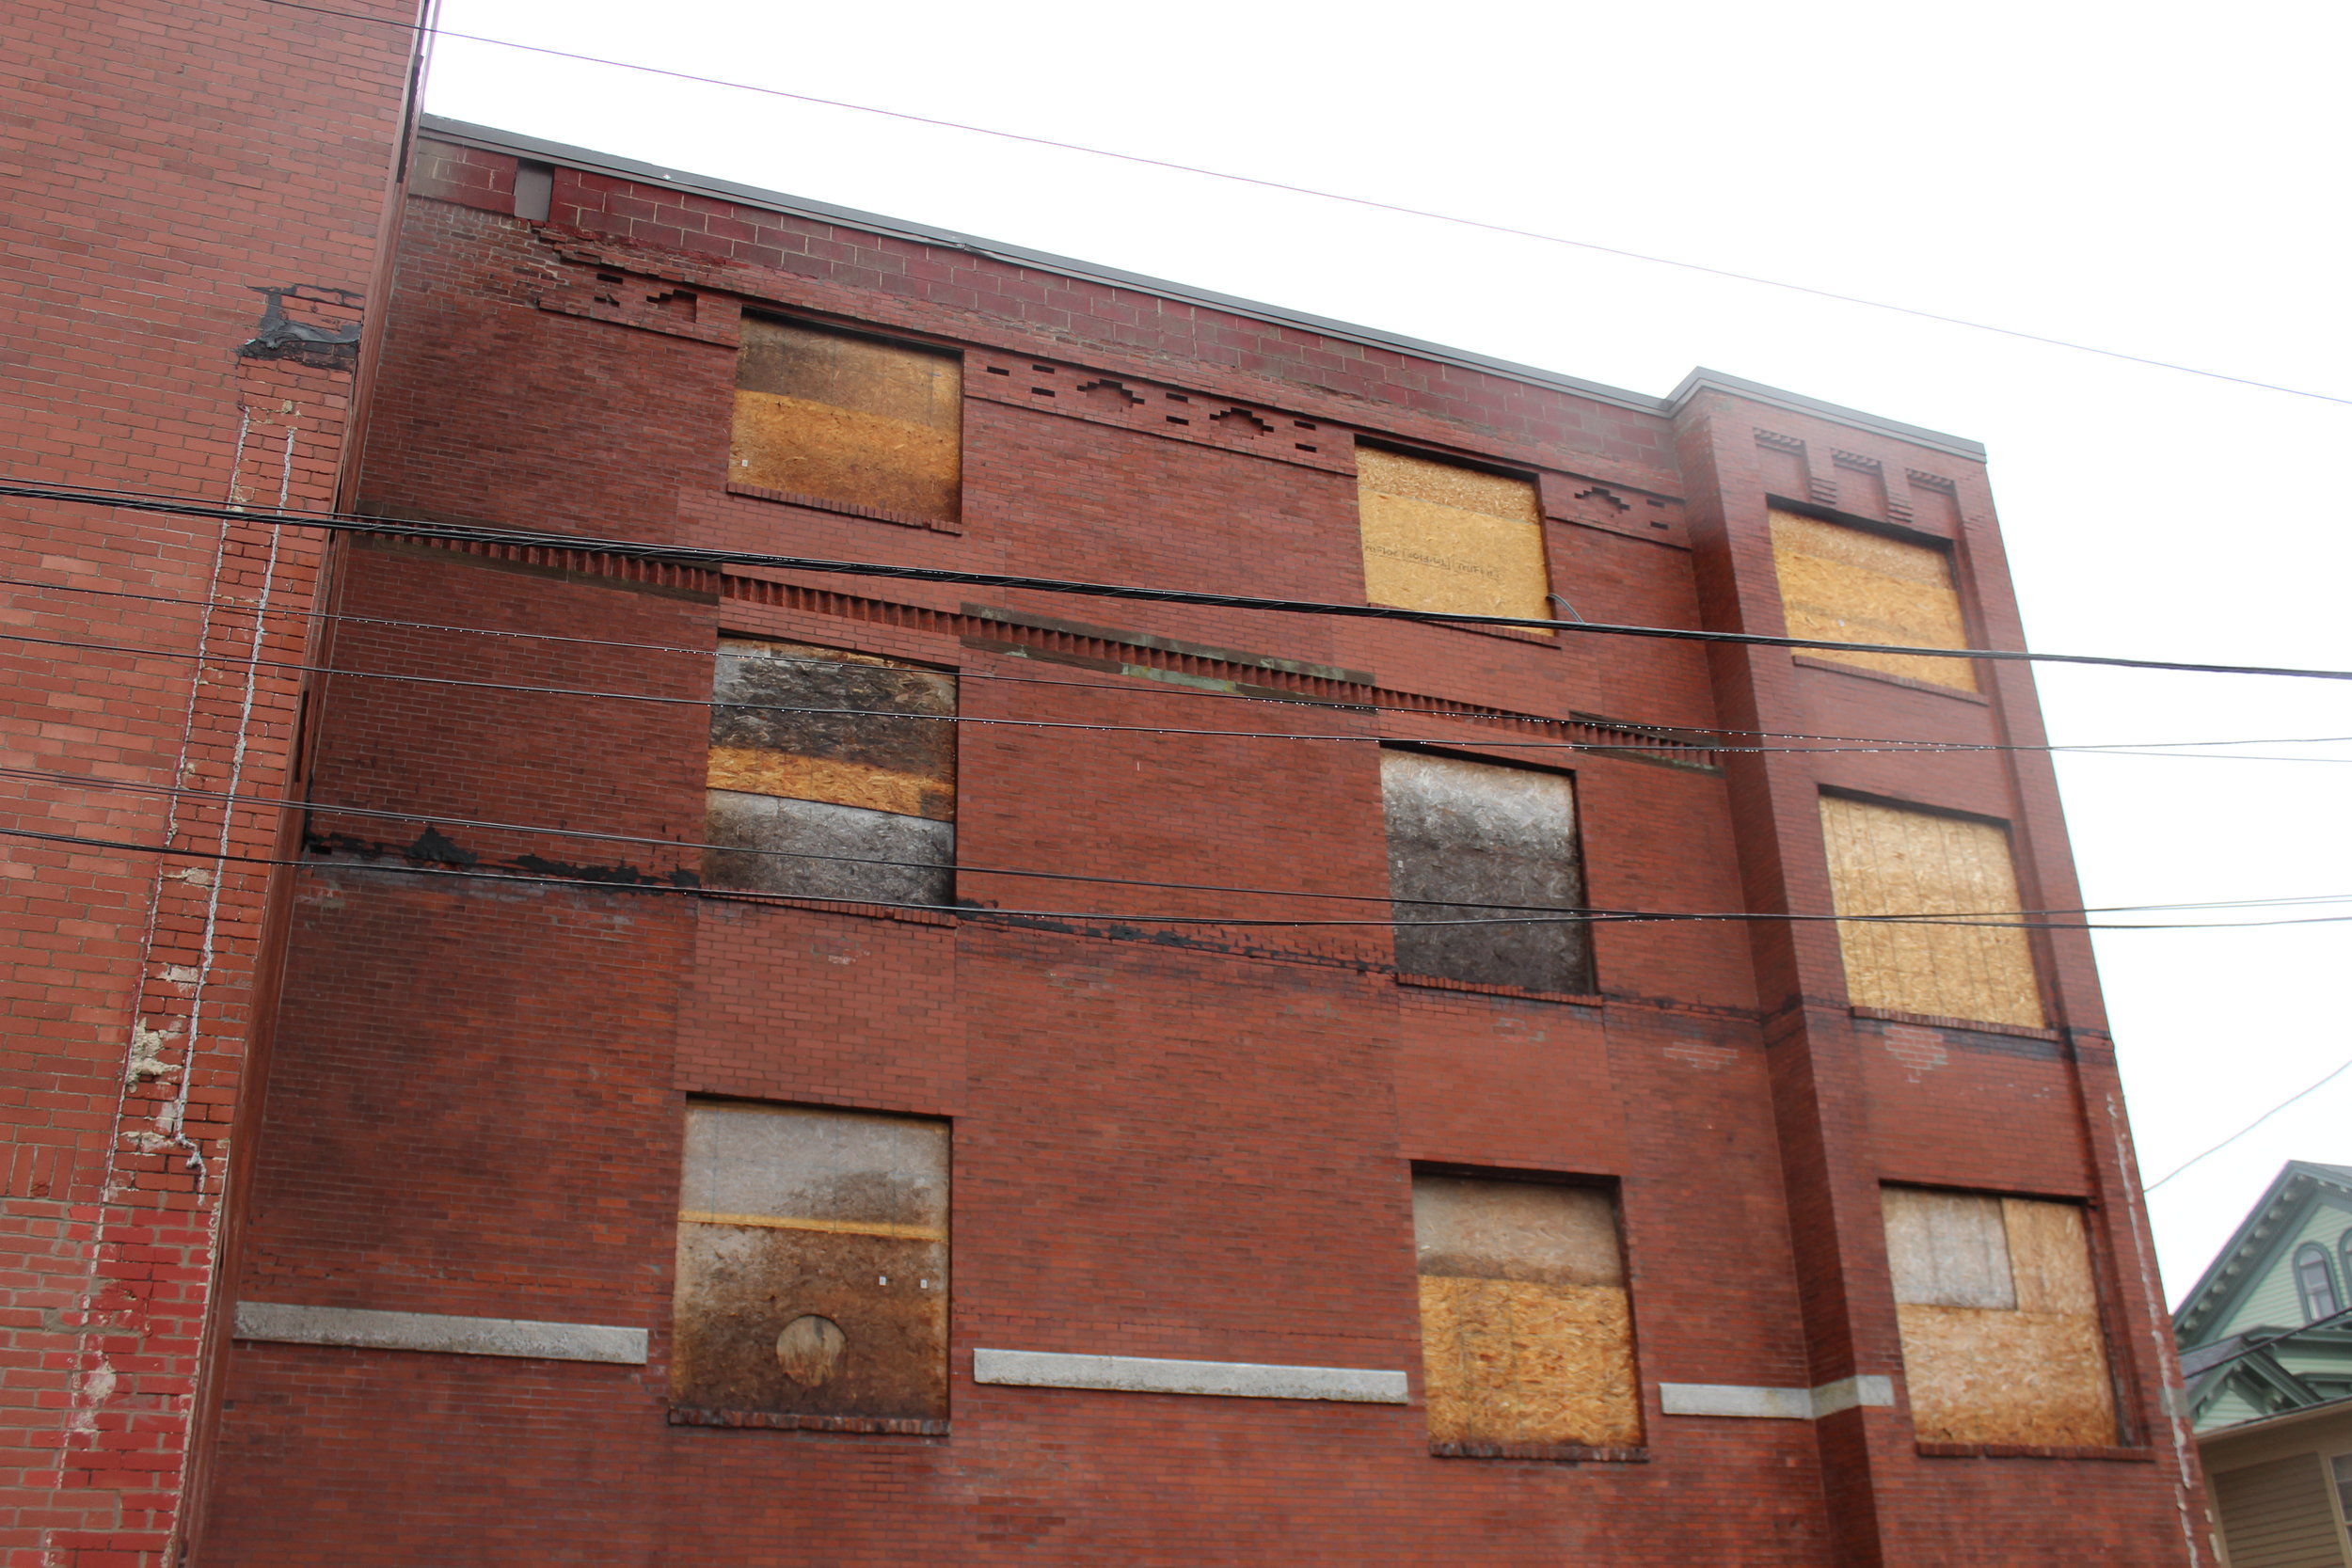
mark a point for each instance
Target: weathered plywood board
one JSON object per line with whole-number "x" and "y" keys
{"x": 1488, "y": 841}
{"x": 1948, "y": 1249}
{"x": 812, "y": 1265}
{"x": 821, "y": 759}
{"x": 1846, "y": 585}
{"x": 1984, "y": 1375}
{"x": 1999, "y": 1317}
{"x": 1437, "y": 536}
{"x": 848, "y": 418}
{"x": 1527, "y": 1333}
{"x": 1884, "y": 860}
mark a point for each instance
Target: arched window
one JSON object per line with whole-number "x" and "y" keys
{"x": 2343, "y": 1247}
{"x": 2315, "y": 1281}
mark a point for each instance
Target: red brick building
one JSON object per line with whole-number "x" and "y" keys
{"x": 770, "y": 1061}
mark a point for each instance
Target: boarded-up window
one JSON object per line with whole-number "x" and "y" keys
{"x": 1438, "y": 536}
{"x": 832, "y": 775}
{"x": 1526, "y": 1334}
{"x": 849, "y": 420}
{"x": 2000, "y": 1320}
{"x": 1487, "y": 843}
{"x": 1846, "y": 585}
{"x": 812, "y": 1265}
{"x": 1883, "y": 860}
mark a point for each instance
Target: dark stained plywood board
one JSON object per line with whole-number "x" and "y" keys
{"x": 1484, "y": 841}
{"x": 812, "y": 1264}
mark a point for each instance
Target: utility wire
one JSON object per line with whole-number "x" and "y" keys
{"x": 1688, "y": 737}
{"x": 1332, "y": 195}
{"x": 707, "y": 557}
{"x": 316, "y": 808}
{"x": 1618, "y": 747}
{"x": 2331, "y": 1319}
{"x": 2233, "y": 1137}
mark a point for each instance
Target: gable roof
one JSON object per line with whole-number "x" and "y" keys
{"x": 2253, "y": 1247}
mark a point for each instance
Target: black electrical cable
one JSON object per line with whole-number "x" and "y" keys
{"x": 1687, "y": 736}
{"x": 318, "y": 808}
{"x": 685, "y": 555}
{"x": 1328, "y": 195}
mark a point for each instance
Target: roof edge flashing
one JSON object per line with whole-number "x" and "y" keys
{"x": 492, "y": 139}
{"x": 1704, "y": 380}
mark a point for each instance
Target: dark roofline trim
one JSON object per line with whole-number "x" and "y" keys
{"x": 490, "y": 139}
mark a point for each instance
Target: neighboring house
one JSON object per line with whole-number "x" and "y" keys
{"x": 2284, "y": 1273}
{"x": 2267, "y": 1357}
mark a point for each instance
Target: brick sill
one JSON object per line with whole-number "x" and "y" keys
{"x": 1440, "y": 982}
{"x": 846, "y": 509}
{"x": 1556, "y": 1453}
{"x": 2033, "y": 1450}
{"x": 1509, "y": 634}
{"x": 770, "y": 1420}
{"x": 1975, "y": 1026}
{"x": 1804, "y": 661}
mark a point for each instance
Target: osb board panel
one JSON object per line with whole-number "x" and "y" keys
{"x": 1843, "y": 585}
{"x": 1489, "y": 842}
{"x": 1984, "y": 1375}
{"x": 848, "y": 418}
{"x": 815, "y": 850}
{"x": 2050, "y": 1257}
{"x": 1883, "y": 860}
{"x": 812, "y": 1263}
{"x": 811, "y": 723}
{"x": 1440, "y": 537}
{"x": 1522, "y": 1230}
{"x": 842, "y": 454}
{"x": 1948, "y": 1249}
{"x": 1520, "y": 1361}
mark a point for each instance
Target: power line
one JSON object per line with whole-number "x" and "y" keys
{"x": 1687, "y": 736}
{"x": 704, "y": 557}
{"x": 2233, "y": 1137}
{"x": 1617, "y": 747}
{"x": 436, "y": 820}
{"x": 1366, "y": 202}
{"x": 1988, "y": 921}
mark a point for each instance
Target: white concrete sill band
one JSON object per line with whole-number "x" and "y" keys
{"x": 361, "y": 1329}
{"x": 1142, "y": 1374}
{"x": 1778, "y": 1405}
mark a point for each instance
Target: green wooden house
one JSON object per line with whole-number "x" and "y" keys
{"x": 2287, "y": 1271}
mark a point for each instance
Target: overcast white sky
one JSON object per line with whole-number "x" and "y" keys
{"x": 2144, "y": 177}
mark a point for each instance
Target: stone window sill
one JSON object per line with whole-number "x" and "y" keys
{"x": 1555, "y": 1453}
{"x": 1440, "y": 982}
{"x": 846, "y": 509}
{"x": 1805, "y": 661}
{"x": 2033, "y": 1450}
{"x": 770, "y": 1420}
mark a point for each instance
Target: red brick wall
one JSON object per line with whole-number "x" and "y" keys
{"x": 165, "y": 160}
{"x": 1183, "y": 1142}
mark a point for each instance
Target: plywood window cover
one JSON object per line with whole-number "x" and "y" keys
{"x": 1968, "y": 1025}
{"x": 1937, "y": 619}
{"x": 1490, "y": 565}
{"x": 849, "y": 414}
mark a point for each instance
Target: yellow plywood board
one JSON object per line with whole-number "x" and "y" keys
{"x": 1530, "y": 1230}
{"x": 1983, "y": 1375}
{"x": 845, "y": 455}
{"x": 1883, "y": 860}
{"x": 755, "y": 771}
{"x": 1446, "y": 538}
{"x": 1518, "y": 1361}
{"x": 2049, "y": 1256}
{"x": 1845, "y": 585}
